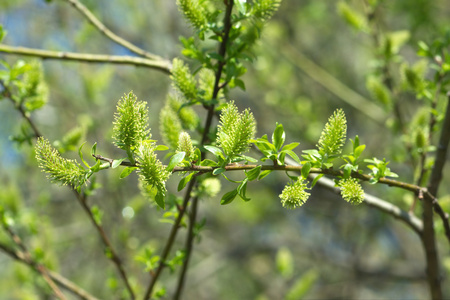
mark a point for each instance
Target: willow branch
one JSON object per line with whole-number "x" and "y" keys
{"x": 160, "y": 65}
{"x": 441, "y": 153}
{"x": 170, "y": 241}
{"x": 27, "y": 256}
{"x": 108, "y": 246}
{"x": 7, "y": 94}
{"x": 56, "y": 277}
{"x": 332, "y": 84}
{"x": 108, "y": 33}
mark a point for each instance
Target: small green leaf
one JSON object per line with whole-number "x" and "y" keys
{"x": 117, "y": 162}
{"x": 291, "y": 146}
{"x": 185, "y": 180}
{"x": 292, "y": 155}
{"x": 127, "y": 171}
{"x": 228, "y": 197}
{"x": 159, "y": 199}
{"x": 242, "y": 189}
{"x": 264, "y": 174}
{"x": 278, "y": 136}
{"x": 208, "y": 163}
{"x": 94, "y": 149}
{"x": 175, "y": 160}
{"x": 313, "y": 183}
{"x": 305, "y": 170}
{"x": 359, "y": 150}
{"x": 253, "y": 173}
{"x": 218, "y": 171}
{"x": 161, "y": 148}
{"x": 81, "y": 156}
{"x": 214, "y": 150}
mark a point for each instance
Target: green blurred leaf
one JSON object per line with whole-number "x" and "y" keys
{"x": 127, "y": 171}
{"x": 229, "y": 197}
{"x": 305, "y": 169}
{"x": 175, "y": 160}
{"x": 302, "y": 285}
{"x": 185, "y": 180}
{"x": 117, "y": 162}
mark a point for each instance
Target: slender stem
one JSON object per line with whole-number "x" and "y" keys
{"x": 205, "y": 139}
{"x": 108, "y": 33}
{"x": 189, "y": 246}
{"x": 110, "y": 249}
{"x": 58, "y": 278}
{"x": 7, "y": 94}
{"x": 170, "y": 240}
{"x": 160, "y": 65}
{"x": 27, "y": 257}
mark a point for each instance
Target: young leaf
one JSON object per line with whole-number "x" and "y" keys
{"x": 117, "y": 162}
{"x": 127, "y": 171}
{"x": 214, "y": 150}
{"x": 185, "y": 180}
{"x": 264, "y": 174}
{"x": 218, "y": 171}
{"x": 242, "y": 189}
{"x": 278, "y": 136}
{"x": 228, "y": 197}
{"x": 175, "y": 160}
{"x": 81, "y": 155}
{"x": 253, "y": 173}
{"x": 159, "y": 199}
{"x": 305, "y": 170}
{"x": 94, "y": 149}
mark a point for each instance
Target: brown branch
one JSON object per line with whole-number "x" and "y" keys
{"x": 27, "y": 257}
{"x": 160, "y": 65}
{"x": 108, "y": 246}
{"x": 170, "y": 241}
{"x": 441, "y": 153}
{"x": 108, "y": 33}
{"x": 7, "y": 94}
{"x": 56, "y": 277}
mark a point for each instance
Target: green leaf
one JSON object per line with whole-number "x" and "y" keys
{"x": 161, "y": 148}
{"x": 278, "y": 136}
{"x": 175, "y": 160}
{"x": 185, "y": 180}
{"x": 94, "y": 149}
{"x": 291, "y": 146}
{"x": 218, "y": 171}
{"x": 292, "y": 155}
{"x": 229, "y": 197}
{"x": 214, "y": 150}
{"x": 253, "y": 173}
{"x": 313, "y": 183}
{"x": 159, "y": 199}
{"x": 117, "y": 162}
{"x": 264, "y": 174}
{"x": 81, "y": 156}
{"x": 242, "y": 189}
{"x": 305, "y": 170}
{"x": 357, "y": 152}
{"x": 302, "y": 285}
{"x": 127, "y": 171}
{"x": 208, "y": 163}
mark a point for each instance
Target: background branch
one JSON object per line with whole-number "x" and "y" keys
{"x": 160, "y": 65}
{"x": 58, "y": 278}
{"x": 108, "y": 33}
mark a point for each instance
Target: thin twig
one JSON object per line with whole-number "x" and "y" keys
{"x": 170, "y": 241}
{"x": 160, "y": 65}
{"x": 58, "y": 278}
{"x": 27, "y": 256}
{"x": 108, "y": 246}
{"x": 7, "y": 94}
{"x": 108, "y": 33}
{"x": 216, "y": 89}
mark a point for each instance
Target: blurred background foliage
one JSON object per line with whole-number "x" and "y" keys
{"x": 326, "y": 249}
